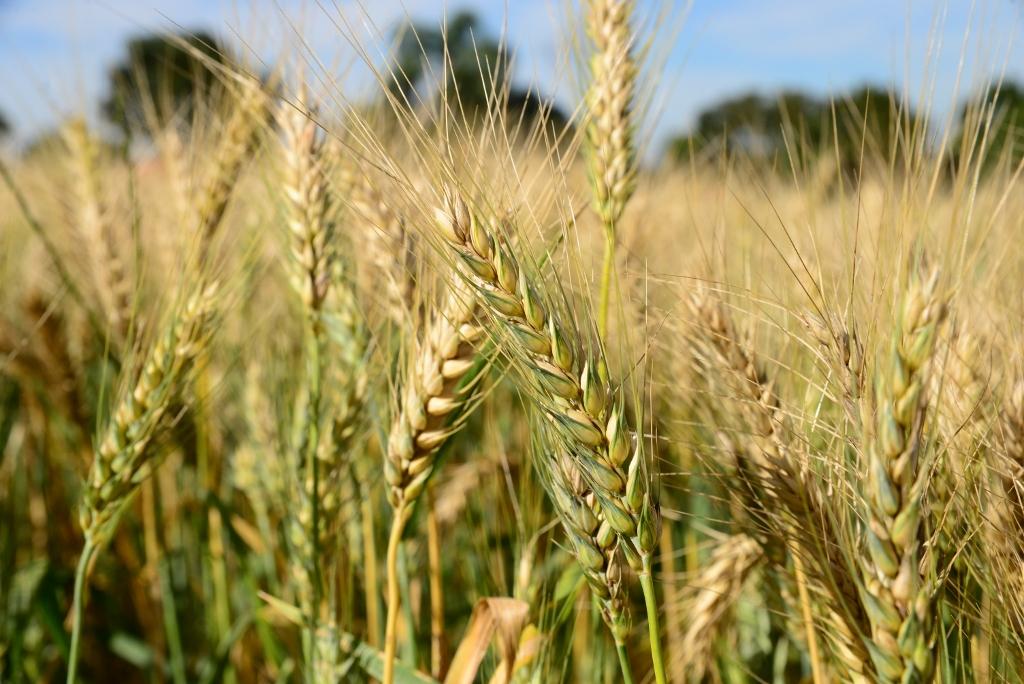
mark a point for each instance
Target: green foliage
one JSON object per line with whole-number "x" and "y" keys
{"x": 163, "y": 77}
{"x": 992, "y": 126}
{"x": 793, "y": 127}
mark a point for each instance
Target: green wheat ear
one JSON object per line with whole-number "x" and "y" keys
{"x": 899, "y": 590}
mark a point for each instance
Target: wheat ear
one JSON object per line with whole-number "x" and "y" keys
{"x": 305, "y": 189}
{"x": 434, "y": 392}
{"x": 778, "y": 486}
{"x": 589, "y": 418}
{"x": 594, "y": 545}
{"x": 1005, "y": 508}
{"x": 438, "y": 386}
{"x": 93, "y": 222}
{"x": 310, "y": 220}
{"x": 611, "y": 154}
{"x": 898, "y": 592}
{"x": 574, "y": 398}
{"x": 236, "y": 139}
{"x": 714, "y": 592}
{"x": 125, "y": 457}
{"x": 388, "y": 245}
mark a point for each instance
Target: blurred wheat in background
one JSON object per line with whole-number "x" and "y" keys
{"x": 439, "y": 379}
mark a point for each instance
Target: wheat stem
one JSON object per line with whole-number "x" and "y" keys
{"x": 673, "y": 619}
{"x": 624, "y": 666}
{"x": 89, "y": 550}
{"x": 312, "y": 438}
{"x": 370, "y": 575}
{"x": 654, "y": 632}
{"x": 394, "y": 598}
{"x": 437, "y": 664}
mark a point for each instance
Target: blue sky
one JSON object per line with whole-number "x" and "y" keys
{"x": 54, "y": 53}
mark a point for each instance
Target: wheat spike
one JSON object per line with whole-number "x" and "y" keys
{"x": 612, "y": 163}
{"x": 714, "y": 591}
{"x": 236, "y": 139}
{"x": 591, "y": 423}
{"x": 769, "y": 461}
{"x": 898, "y": 592}
{"x": 125, "y": 455}
{"x": 109, "y": 274}
{"x": 306, "y": 193}
{"x": 388, "y": 242}
{"x": 434, "y": 393}
{"x": 1004, "y": 513}
{"x": 595, "y": 545}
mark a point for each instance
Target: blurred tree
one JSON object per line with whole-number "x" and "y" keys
{"x": 797, "y": 128}
{"x": 162, "y": 77}
{"x": 756, "y": 125}
{"x": 463, "y": 59}
{"x": 877, "y": 121}
{"x": 471, "y": 57}
{"x": 5, "y": 127}
{"x": 1000, "y": 110}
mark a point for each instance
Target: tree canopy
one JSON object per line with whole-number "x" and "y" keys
{"x": 5, "y": 127}
{"x": 793, "y": 126}
{"x": 995, "y": 119}
{"x": 473, "y": 63}
{"x": 163, "y": 76}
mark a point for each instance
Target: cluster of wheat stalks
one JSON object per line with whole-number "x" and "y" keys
{"x": 396, "y": 395}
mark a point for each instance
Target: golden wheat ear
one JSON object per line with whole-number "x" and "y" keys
{"x": 93, "y": 223}
{"x": 713, "y": 592}
{"x": 124, "y": 455}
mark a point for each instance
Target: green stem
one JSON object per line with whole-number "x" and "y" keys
{"x": 312, "y": 442}
{"x": 606, "y": 279}
{"x": 171, "y": 627}
{"x": 647, "y": 584}
{"x": 78, "y": 606}
{"x": 627, "y": 671}
{"x": 409, "y": 652}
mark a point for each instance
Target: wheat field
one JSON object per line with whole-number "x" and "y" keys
{"x": 422, "y": 392}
